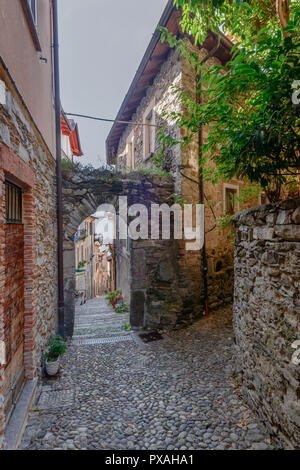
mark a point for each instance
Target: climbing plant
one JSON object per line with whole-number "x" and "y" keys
{"x": 246, "y": 104}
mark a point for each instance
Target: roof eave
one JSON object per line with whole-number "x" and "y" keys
{"x": 147, "y": 56}
{"x": 210, "y": 43}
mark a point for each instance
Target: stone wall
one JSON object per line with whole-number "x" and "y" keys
{"x": 267, "y": 315}
{"x": 82, "y": 195}
{"x": 13, "y": 313}
{"x": 122, "y": 257}
{"x": 154, "y": 278}
{"x": 18, "y": 133}
{"x": 161, "y": 98}
{"x": 183, "y": 165}
{"x": 219, "y": 246}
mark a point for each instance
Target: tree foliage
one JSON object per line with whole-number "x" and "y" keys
{"x": 238, "y": 18}
{"x": 247, "y": 104}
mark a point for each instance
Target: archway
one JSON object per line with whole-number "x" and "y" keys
{"x": 153, "y": 283}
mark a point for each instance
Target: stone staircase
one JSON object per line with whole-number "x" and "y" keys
{"x": 96, "y": 322}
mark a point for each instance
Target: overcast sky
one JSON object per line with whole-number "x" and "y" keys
{"x": 101, "y": 45}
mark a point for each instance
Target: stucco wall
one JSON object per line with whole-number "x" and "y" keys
{"x": 267, "y": 315}
{"x": 32, "y": 76}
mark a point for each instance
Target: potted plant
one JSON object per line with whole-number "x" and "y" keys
{"x": 56, "y": 347}
{"x": 114, "y": 296}
{"x": 121, "y": 308}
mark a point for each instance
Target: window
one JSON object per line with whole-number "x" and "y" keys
{"x": 219, "y": 266}
{"x": 130, "y": 152}
{"x": 263, "y": 198}
{"x": 30, "y": 11}
{"x": 230, "y": 200}
{"x": 149, "y": 134}
{"x": 2, "y": 93}
{"x": 13, "y": 202}
{"x": 130, "y": 157}
{"x": 33, "y": 9}
{"x": 148, "y": 142}
{"x": 128, "y": 241}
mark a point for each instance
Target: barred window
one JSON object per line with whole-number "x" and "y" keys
{"x": 13, "y": 201}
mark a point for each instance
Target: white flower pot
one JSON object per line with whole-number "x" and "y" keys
{"x": 52, "y": 367}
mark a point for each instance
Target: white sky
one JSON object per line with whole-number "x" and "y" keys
{"x": 101, "y": 45}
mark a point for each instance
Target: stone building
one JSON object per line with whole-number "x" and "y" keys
{"x": 104, "y": 270}
{"x": 206, "y": 274}
{"x": 85, "y": 252}
{"x": 70, "y": 140}
{"x": 94, "y": 263}
{"x": 28, "y": 232}
{"x": 105, "y": 254}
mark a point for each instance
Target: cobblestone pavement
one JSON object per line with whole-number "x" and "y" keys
{"x": 174, "y": 393}
{"x": 97, "y": 317}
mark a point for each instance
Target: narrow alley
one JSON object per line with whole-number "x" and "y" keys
{"x": 117, "y": 392}
{"x": 150, "y": 227}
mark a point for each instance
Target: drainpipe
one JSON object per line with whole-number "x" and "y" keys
{"x": 201, "y": 198}
{"x": 60, "y": 279}
{"x": 201, "y": 183}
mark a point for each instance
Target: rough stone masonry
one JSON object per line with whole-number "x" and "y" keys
{"x": 155, "y": 300}
{"x": 25, "y": 160}
{"x": 267, "y": 315}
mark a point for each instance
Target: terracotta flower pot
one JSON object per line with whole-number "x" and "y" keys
{"x": 117, "y": 300}
{"x": 52, "y": 367}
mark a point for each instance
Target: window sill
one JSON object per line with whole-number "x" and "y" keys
{"x": 31, "y": 25}
{"x": 9, "y": 222}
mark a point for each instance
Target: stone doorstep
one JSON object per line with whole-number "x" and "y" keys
{"x": 104, "y": 334}
{"x": 17, "y": 423}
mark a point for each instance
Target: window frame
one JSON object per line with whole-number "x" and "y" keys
{"x": 128, "y": 242}
{"x": 12, "y": 193}
{"x": 130, "y": 163}
{"x": 33, "y": 8}
{"x": 148, "y": 132}
{"x": 236, "y": 188}
{"x": 32, "y": 21}
{"x": 263, "y": 199}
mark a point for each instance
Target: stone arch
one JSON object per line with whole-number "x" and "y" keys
{"x": 155, "y": 301}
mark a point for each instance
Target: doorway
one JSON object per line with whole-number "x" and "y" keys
{"x": 13, "y": 297}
